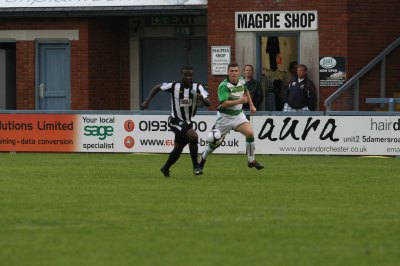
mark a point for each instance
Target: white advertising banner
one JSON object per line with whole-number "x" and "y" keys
{"x": 327, "y": 135}
{"x": 144, "y": 134}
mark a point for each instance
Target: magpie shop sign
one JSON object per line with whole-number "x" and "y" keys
{"x": 276, "y": 21}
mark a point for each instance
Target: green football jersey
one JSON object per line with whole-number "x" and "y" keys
{"x": 229, "y": 91}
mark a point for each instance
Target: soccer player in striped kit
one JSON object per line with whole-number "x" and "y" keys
{"x": 184, "y": 98}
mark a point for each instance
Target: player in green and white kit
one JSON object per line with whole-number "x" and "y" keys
{"x": 232, "y": 94}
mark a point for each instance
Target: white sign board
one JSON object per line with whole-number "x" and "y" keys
{"x": 276, "y": 21}
{"x": 328, "y": 135}
{"x": 145, "y": 133}
{"x": 220, "y": 59}
{"x": 152, "y": 134}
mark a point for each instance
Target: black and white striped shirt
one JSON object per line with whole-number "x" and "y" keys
{"x": 184, "y": 100}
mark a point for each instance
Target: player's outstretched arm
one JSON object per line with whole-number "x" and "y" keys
{"x": 250, "y": 101}
{"x": 152, "y": 93}
{"x": 205, "y": 101}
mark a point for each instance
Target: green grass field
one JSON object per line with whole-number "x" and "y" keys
{"x": 118, "y": 209}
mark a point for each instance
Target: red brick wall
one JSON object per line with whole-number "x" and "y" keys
{"x": 99, "y": 62}
{"x": 333, "y": 41}
{"x": 25, "y": 60}
{"x": 108, "y": 46}
{"x": 356, "y": 29}
{"x": 25, "y": 71}
{"x": 372, "y": 27}
{"x": 79, "y": 70}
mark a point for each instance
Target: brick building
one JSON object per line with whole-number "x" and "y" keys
{"x": 353, "y": 30}
{"x": 87, "y": 57}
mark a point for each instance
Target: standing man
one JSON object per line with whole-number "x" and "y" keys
{"x": 184, "y": 98}
{"x": 232, "y": 94}
{"x": 301, "y": 94}
{"x": 289, "y": 76}
{"x": 254, "y": 87}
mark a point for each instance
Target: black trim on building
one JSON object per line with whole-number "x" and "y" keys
{"x": 22, "y": 12}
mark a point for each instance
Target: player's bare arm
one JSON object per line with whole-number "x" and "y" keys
{"x": 253, "y": 109}
{"x": 152, "y": 93}
{"x": 205, "y": 101}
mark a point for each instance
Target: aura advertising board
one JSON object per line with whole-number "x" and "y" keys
{"x": 328, "y": 135}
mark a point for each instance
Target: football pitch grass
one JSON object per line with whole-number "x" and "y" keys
{"x": 118, "y": 209}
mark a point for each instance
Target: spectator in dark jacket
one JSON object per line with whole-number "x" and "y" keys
{"x": 301, "y": 94}
{"x": 254, "y": 87}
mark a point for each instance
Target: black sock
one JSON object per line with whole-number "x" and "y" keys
{"x": 174, "y": 156}
{"x": 194, "y": 150}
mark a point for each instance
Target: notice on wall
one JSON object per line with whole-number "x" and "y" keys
{"x": 276, "y": 21}
{"x": 220, "y": 59}
{"x": 332, "y": 71}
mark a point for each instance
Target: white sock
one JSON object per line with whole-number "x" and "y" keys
{"x": 250, "y": 148}
{"x": 207, "y": 152}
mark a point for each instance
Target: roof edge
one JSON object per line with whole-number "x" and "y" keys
{"x": 35, "y": 12}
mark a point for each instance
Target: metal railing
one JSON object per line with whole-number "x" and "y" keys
{"x": 355, "y": 80}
